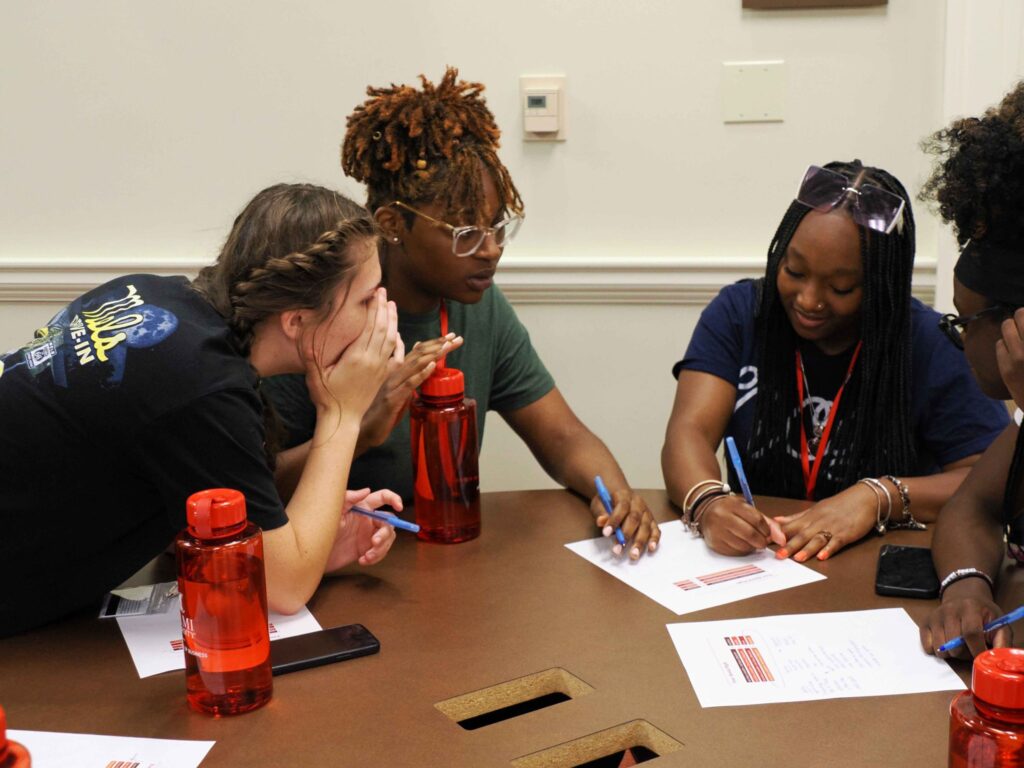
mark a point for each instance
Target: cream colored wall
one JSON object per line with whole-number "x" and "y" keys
{"x": 133, "y": 132}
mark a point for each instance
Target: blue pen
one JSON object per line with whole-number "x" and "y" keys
{"x": 394, "y": 522}
{"x": 738, "y": 466}
{"x": 1002, "y": 621}
{"x": 606, "y": 499}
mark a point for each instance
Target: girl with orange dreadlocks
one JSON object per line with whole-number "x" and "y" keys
{"x": 447, "y": 208}
{"x": 146, "y": 389}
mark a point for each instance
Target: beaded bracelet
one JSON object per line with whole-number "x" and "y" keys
{"x": 878, "y": 489}
{"x": 965, "y": 573}
{"x": 908, "y": 520}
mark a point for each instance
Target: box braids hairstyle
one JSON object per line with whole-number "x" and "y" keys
{"x": 875, "y": 434}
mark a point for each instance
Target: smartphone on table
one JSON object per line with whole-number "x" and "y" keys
{"x": 906, "y": 572}
{"x": 290, "y": 654}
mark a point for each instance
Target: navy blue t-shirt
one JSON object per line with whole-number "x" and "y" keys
{"x": 951, "y": 417}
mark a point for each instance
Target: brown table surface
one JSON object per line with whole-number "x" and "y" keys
{"x": 455, "y": 619}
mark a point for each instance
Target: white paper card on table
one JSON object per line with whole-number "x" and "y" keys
{"x": 684, "y": 575}
{"x": 807, "y": 657}
{"x": 82, "y": 750}
{"x": 155, "y": 640}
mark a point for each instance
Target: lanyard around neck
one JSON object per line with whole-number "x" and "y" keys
{"x": 444, "y": 329}
{"x": 811, "y": 476}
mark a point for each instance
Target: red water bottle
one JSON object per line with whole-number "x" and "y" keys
{"x": 446, "y": 485}
{"x": 223, "y": 606}
{"x": 986, "y": 723}
{"x": 12, "y": 754}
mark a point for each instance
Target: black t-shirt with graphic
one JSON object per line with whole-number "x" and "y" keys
{"x": 131, "y": 398}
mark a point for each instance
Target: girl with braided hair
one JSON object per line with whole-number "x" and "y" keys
{"x": 978, "y": 186}
{"x": 838, "y": 386}
{"x": 146, "y": 389}
{"x": 447, "y": 207}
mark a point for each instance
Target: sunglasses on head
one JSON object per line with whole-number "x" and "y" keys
{"x": 869, "y": 206}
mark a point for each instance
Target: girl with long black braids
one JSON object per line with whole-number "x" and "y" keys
{"x": 838, "y": 386}
{"x": 978, "y": 186}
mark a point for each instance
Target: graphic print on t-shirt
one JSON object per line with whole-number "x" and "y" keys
{"x": 94, "y": 332}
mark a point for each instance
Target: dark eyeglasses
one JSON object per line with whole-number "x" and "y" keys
{"x": 868, "y": 205}
{"x": 467, "y": 240}
{"x": 953, "y": 325}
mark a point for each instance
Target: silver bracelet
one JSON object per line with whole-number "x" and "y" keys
{"x": 878, "y": 488}
{"x": 965, "y": 573}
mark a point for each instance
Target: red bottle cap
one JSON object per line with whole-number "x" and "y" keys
{"x": 444, "y": 382}
{"x": 998, "y": 677}
{"x": 215, "y": 513}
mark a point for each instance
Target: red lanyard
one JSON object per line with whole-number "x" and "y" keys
{"x": 444, "y": 329}
{"x": 811, "y": 477}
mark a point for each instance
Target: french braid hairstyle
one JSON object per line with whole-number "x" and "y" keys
{"x": 289, "y": 248}
{"x": 874, "y": 433}
{"x": 428, "y": 146}
{"x": 977, "y": 184}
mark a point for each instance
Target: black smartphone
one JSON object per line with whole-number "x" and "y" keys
{"x": 906, "y": 572}
{"x": 313, "y": 649}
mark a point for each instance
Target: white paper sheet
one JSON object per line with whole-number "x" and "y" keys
{"x": 82, "y": 750}
{"x": 685, "y": 576}
{"x": 155, "y": 640}
{"x": 806, "y": 657}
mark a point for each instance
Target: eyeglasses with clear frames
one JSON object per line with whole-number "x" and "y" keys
{"x": 953, "y": 325}
{"x": 467, "y": 240}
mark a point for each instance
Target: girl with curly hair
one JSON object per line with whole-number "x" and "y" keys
{"x": 978, "y": 187}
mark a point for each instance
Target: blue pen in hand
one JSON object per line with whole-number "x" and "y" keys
{"x": 737, "y": 465}
{"x": 1002, "y": 621}
{"x": 392, "y": 520}
{"x": 606, "y": 499}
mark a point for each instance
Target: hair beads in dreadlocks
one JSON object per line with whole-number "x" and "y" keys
{"x": 875, "y": 434}
{"x": 428, "y": 145}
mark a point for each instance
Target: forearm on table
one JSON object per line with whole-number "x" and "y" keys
{"x": 297, "y": 553}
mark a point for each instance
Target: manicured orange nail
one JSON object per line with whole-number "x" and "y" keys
{"x": 800, "y": 557}
{"x": 782, "y": 554}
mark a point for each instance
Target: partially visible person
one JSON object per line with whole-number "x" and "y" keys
{"x": 978, "y": 187}
{"x": 448, "y": 207}
{"x": 837, "y": 385}
{"x": 146, "y": 389}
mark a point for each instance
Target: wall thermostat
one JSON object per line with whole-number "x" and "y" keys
{"x": 543, "y": 103}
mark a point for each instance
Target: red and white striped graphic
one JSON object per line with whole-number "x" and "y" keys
{"x": 730, "y": 574}
{"x": 687, "y": 585}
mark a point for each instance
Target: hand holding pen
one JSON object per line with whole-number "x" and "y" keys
{"x": 1015, "y": 615}
{"x": 734, "y": 527}
{"x": 627, "y": 517}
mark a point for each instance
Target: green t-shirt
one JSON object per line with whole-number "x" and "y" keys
{"x": 503, "y": 373}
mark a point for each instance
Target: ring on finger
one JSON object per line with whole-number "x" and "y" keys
{"x": 826, "y": 535}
